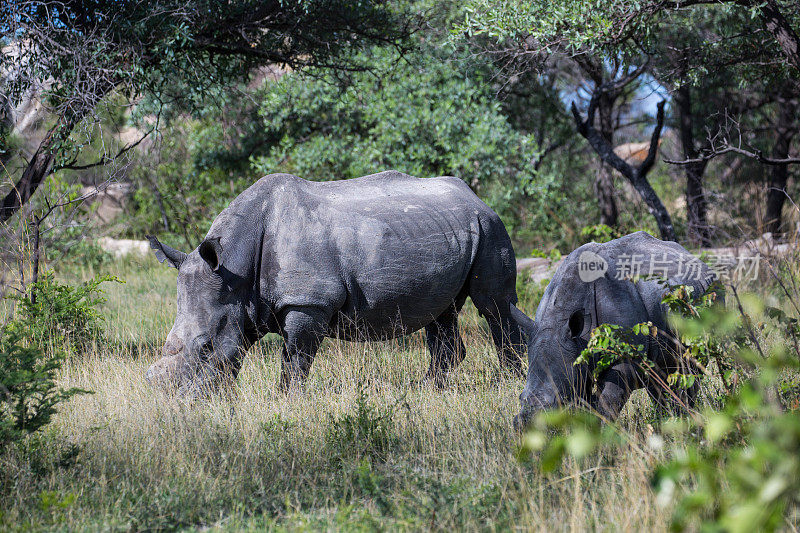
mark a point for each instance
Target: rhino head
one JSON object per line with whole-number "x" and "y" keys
{"x": 215, "y": 320}
{"x": 555, "y": 340}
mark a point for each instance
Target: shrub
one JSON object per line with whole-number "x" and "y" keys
{"x": 59, "y": 315}
{"x": 743, "y": 474}
{"x": 82, "y": 251}
{"x": 603, "y": 233}
{"x": 553, "y": 255}
{"x": 28, "y": 391}
{"x": 731, "y": 469}
{"x": 367, "y": 431}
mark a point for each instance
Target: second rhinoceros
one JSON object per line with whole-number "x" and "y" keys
{"x": 620, "y": 282}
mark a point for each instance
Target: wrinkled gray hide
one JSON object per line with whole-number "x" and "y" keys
{"x": 572, "y": 307}
{"x": 368, "y": 258}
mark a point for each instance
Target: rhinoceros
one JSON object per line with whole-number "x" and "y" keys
{"x": 369, "y": 258}
{"x": 620, "y": 282}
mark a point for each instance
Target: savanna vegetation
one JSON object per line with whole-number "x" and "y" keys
{"x": 573, "y": 120}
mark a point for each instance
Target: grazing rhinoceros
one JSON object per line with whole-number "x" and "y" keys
{"x": 594, "y": 286}
{"x": 368, "y": 258}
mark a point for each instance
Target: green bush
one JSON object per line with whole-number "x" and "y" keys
{"x": 602, "y": 233}
{"x": 432, "y": 113}
{"x": 553, "y": 255}
{"x": 731, "y": 469}
{"x": 28, "y": 391}
{"x": 743, "y": 473}
{"x": 58, "y": 315}
{"x": 82, "y": 251}
{"x": 367, "y": 432}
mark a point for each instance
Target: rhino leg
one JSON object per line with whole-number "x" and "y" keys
{"x": 672, "y": 400}
{"x": 506, "y": 335}
{"x": 303, "y": 331}
{"x": 445, "y": 344}
{"x": 615, "y": 387}
{"x": 492, "y": 295}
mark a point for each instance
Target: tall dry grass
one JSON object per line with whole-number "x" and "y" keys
{"x": 362, "y": 446}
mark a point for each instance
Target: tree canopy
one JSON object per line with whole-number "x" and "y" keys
{"x": 73, "y": 55}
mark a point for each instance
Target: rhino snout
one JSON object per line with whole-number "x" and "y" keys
{"x": 539, "y": 400}
{"x": 172, "y": 347}
{"x": 168, "y": 372}
{"x": 531, "y": 404}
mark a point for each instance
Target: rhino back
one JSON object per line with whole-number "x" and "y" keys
{"x": 390, "y": 252}
{"x": 638, "y": 254}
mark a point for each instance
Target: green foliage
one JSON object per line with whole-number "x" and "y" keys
{"x": 610, "y": 343}
{"x": 59, "y": 316}
{"x": 431, "y": 110}
{"x": 611, "y": 26}
{"x": 176, "y": 54}
{"x": 731, "y": 469}
{"x": 188, "y": 47}
{"x": 746, "y": 475}
{"x": 430, "y": 115}
{"x": 52, "y": 500}
{"x": 553, "y": 255}
{"x": 62, "y": 238}
{"x": 558, "y": 433}
{"x": 708, "y": 58}
{"x": 28, "y": 391}
{"x": 602, "y": 233}
{"x": 572, "y": 23}
{"x": 9, "y": 143}
{"x": 599, "y": 233}
{"x": 368, "y": 431}
{"x": 191, "y": 178}
{"x": 84, "y": 252}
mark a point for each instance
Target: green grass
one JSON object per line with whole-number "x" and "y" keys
{"x": 362, "y": 447}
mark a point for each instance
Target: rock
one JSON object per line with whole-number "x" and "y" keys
{"x": 537, "y": 268}
{"x": 111, "y": 200}
{"x": 123, "y": 247}
{"x": 634, "y": 153}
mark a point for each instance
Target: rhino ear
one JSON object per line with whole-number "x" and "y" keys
{"x": 211, "y": 252}
{"x": 173, "y": 257}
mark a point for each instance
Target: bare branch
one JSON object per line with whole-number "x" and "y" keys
{"x": 753, "y": 154}
{"x": 105, "y": 159}
{"x": 637, "y": 176}
{"x": 647, "y": 164}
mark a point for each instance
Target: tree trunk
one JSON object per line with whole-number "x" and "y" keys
{"x": 655, "y": 206}
{"x": 604, "y": 190}
{"x": 41, "y": 164}
{"x": 637, "y": 176}
{"x": 776, "y": 195}
{"x": 38, "y": 168}
{"x": 782, "y": 31}
{"x": 604, "y": 180}
{"x": 697, "y": 206}
{"x": 696, "y": 202}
